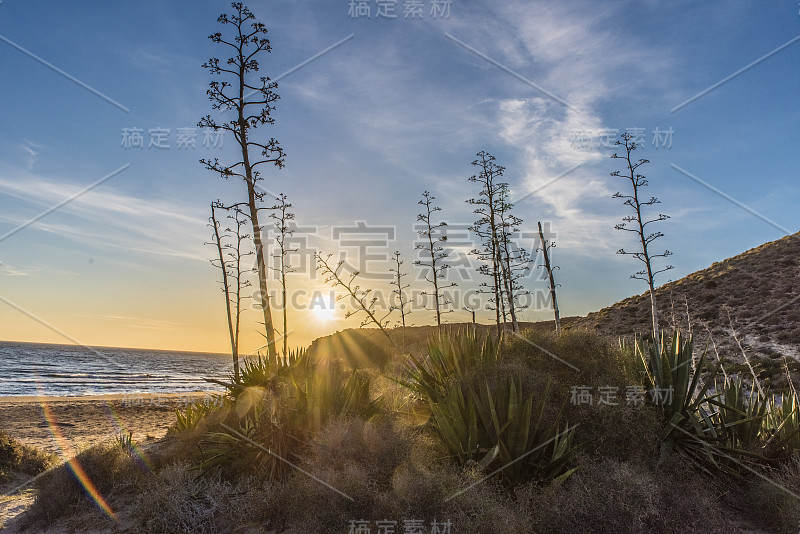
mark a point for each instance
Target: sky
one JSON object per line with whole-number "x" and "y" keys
{"x": 104, "y": 242}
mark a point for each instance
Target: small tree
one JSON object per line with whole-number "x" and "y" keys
{"x": 360, "y": 298}
{"x": 400, "y": 291}
{"x": 230, "y": 257}
{"x": 247, "y": 43}
{"x": 283, "y": 217}
{"x": 487, "y": 228}
{"x": 514, "y": 261}
{"x": 545, "y": 248}
{"x": 434, "y": 238}
{"x": 640, "y": 222}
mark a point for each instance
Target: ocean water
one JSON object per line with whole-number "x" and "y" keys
{"x": 70, "y": 370}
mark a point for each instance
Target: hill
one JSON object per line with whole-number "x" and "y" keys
{"x": 754, "y": 297}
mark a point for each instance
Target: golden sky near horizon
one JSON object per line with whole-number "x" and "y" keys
{"x": 172, "y": 317}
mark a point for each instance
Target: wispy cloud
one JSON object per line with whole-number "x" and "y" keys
{"x": 137, "y": 322}
{"x": 10, "y": 270}
{"x": 108, "y": 218}
{"x": 570, "y": 51}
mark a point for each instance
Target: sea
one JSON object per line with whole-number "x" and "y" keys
{"x": 72, "y": 370}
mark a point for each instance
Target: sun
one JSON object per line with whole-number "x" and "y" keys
{"x": 324, "y": 313}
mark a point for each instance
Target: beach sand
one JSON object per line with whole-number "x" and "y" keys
{"x": 64, "y": 425}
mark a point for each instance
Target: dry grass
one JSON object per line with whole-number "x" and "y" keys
{"x": 16, "y": 457}
{"x": 391, "y": 472}
{"x": 60, "y": 493}
{"x": 182, "y": 500}
{"x": 775, "y": 503}
{"x": 616, "y": 496}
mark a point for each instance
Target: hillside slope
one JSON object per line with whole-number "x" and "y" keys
{"x": 755, "y": 294}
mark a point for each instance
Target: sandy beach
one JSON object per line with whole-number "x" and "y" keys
{"x": 64, "y": 425}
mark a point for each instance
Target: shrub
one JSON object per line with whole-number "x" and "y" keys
{"x": 576, "y": 357}
{"x": 181, "y": 501}
{"x": 615, "y": 496}
{"x": 773, "y": 501}
{"x": 107, "y": 467}
{"x": 18, "y": 457}
{"x": 391, "y": 472}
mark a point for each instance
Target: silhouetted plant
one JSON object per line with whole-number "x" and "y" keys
{"x": 247, "y": 43}
{"x": 434, "y": 236}
{"x": 640, "y": 222}
{"x": 283, "y": 218}
{"x": 399, "y": 290}
{"x": 515, "y": 261}
{"x": 494, "y": 227}
{"x": 230, "y": 254}
{"x": 471, "y": 311}
{"x": 545, "y": 248}
{"x": 360, "y": 298}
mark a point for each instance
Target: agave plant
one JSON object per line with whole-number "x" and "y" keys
{"x": 782, "y": 424}
{"x": 501, "y": 429}
{"x": 490, "y": 426}
{"x": 741, "y": 417}
{"x": 700, "y": 424}
{"x": 333, "y": 392}
{"x": 190, "y": 417}
{"x": 449, "y": 357}
{"x": 259, "y": 441}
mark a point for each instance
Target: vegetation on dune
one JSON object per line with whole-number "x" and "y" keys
{"x": 16, "y": 457}
{"x": 478, "y": 439}
{"x": 491, "y": 423}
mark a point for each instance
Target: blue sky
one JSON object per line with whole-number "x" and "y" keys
{"x": 397, "y": 108}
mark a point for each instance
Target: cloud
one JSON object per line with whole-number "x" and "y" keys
{"x": 569, "y": 50}
{"x": 8, "y": 270}
{"x": 107, "y": 218}
{"x": 138, "y": 322}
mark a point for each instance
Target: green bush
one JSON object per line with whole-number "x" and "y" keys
{"x": 484, "y": 418}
